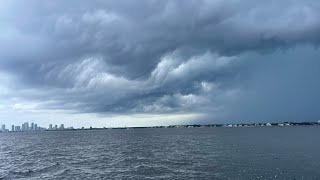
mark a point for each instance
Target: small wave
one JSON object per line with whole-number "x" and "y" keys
{"x": 22, "y": 173}
{"x": 33, "y": 172}
{"x": 17, "y": 174}
{"x": 54, "y": 167}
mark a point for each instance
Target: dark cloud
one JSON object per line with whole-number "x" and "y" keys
{"x": 163, "y": 56}
{"x": 284, "y": 88}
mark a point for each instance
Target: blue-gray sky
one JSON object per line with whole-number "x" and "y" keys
{"x": 158, "y": 62}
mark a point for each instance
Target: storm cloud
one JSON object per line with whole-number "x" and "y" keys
{"x": 228, "y": 61}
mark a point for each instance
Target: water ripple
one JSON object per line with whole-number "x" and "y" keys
{"x": 210, "y": 153}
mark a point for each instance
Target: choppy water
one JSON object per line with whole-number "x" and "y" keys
{"x": 199, "y": 153}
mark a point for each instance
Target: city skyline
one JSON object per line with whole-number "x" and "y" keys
{"x": 33, "y": 127}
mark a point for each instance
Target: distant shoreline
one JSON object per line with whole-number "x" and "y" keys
{"x": 242, "y": 125}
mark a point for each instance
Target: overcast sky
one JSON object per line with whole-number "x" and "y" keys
{"x": 158, "y": 62}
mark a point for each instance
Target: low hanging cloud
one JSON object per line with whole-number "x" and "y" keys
{"x": 220, "y": 59}
{"x": 172, "y": 86}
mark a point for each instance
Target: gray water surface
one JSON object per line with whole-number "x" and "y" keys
{"x": 189, "y": 153}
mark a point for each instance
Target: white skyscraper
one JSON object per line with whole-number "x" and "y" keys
{"x": 25, "y": 126}
{"x": 61, "y": 127}
{"x": 17, "y": 128}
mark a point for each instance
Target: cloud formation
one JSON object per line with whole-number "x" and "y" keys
{"x": 226, "y": 60}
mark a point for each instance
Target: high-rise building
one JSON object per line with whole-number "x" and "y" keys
{"x": 25, "y": 126}
{"x": 12, "y": 128}
{"x": 61, "y": 127}
{"x": 3, "y": 127}
{"x": 35, "y": 127}
{"x": 55, "y": 127}
{"x": 32, "y": 127}
{"x": 17, "y": 128}
{"x": 50, "y": 126}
